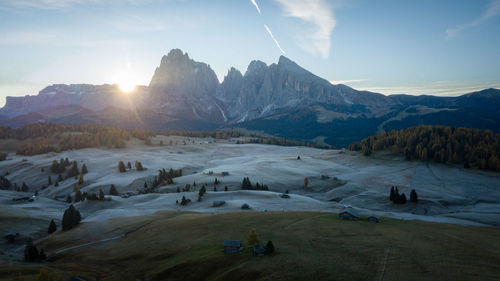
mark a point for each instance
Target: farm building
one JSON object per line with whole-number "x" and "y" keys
{"x": 259, "y": 250}
{"x": 218, "y": 203}
{"x": 349, "y": 214}
{"x": 232, "y": 246}
{"x": 11, "y": 236}
{"x": 373, "y": 218}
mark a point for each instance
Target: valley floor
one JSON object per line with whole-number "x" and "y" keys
{"x": 447, "y": 194}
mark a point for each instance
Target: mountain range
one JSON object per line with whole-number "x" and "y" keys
{"x": 281, "y": 99}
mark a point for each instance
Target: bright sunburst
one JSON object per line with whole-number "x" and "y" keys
{"x": 127, "y": 86}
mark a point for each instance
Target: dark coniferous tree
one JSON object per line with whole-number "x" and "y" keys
{"x": 50, "y": 180}
{"x": 52, "y": 227}
{"x": 413, "y": 196}
{"x": 71, "y": 218}
{"x": 113, "y": 191}
{"x": 121, "y": 167}
{"x": 84, "y": 169}
{"x": 30, "y": 251}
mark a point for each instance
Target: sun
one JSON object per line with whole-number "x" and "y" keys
{"x": 126, "y": 79}
{"x": 127, "y": 87}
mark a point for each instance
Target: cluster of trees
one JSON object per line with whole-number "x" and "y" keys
{"x": 123, "y": 169}
{"x": 470, "y": 147}
{"x": 79, "y": 196}
{"x": 184, "y": 201}
{"x": 71, "y": 218}
{"x": 247, "y": 185}
{"x": 253, "y": 239}
{"x": 397, "y": 198}
{"x": 31, "y": 253}
{"x": 282, "y": 142}
{"x": 73, "y": 171}
{"x": 41, "y": 138}
{"x": 206, "y": 134}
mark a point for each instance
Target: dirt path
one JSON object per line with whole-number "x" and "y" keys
{"x": 100, "y": 241}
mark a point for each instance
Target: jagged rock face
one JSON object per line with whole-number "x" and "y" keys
{"x": 266, "y": 90}
{"x": 95, "y": 97}
{"x": 185, "y": 88}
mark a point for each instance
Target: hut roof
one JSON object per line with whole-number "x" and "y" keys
{"x": 232, "y": 243}
{"x": 373, "y": 216}
{"x": 351, "y": 211}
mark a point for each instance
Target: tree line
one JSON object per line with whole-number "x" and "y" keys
{"x": 471, "y": 147}
{"x": 40, "y": 138}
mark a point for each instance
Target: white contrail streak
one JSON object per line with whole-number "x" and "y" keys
{"x": 254, "y": 2}
{"x": 275, "y": 41}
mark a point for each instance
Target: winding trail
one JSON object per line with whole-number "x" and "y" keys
{"x": 100, "y": 241}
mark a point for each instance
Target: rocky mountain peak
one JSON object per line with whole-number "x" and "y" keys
{"x": 256, "y": 66}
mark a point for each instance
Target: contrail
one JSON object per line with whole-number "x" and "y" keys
{"x": 275, "y": 41}
{"x": 254, "y": 2}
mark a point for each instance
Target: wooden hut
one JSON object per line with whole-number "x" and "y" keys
{"x": 349, "y": 214}
{"x": 373, "y": 218}
{"x": 232, "y": 246}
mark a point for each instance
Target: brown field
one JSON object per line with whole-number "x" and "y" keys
{"x": 309, "y": 246}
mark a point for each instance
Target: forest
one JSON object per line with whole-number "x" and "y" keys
{"x": 474, "y": 148}
{"x": 42, "y": 138}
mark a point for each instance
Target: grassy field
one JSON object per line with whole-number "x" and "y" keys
{"x": 309, "y": 246}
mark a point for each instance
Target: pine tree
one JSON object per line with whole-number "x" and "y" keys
{"x": 252, "y": 238}
{"x": 59, "y": 177}
{"x": 306, "y": 182}
{"x": 392, "y": 196}
{"x": 121, "y": 167}
{"x": 73, "y": 171}
{"x": 30, "y": 251}
{"x": 113, "y": 191}
{"x": 80, "y": 180}
{"x": 56, "y": 184}
{"x": 68, "y": 199}
{"x": 269, "y": 247}
{"x": 50, "y": 180}
{"x": 413, "y": 196}
{"x": 84, "y": 169}
{"x": 138, "y": 166}
{"x": 71, "y": 218}
{"x": 225, "y": 188}
{"x": 101, "y": 195}
{"x": 55, "y": 167}
{"x": 24, "y": 187}
{"x": 129, "y": 165}
{"x": 78, "y": 194}
{"x": 42, "y": 256}
{"x": 52, "y": 227}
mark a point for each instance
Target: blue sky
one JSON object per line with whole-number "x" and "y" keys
{"x": 434, "y": 47}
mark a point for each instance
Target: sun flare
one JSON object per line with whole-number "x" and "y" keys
{"x": 126, "y": 86}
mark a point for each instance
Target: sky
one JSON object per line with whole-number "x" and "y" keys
{"x": 446, "y": 47}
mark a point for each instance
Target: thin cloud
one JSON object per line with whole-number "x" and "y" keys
{"x": 319, "y": 14}
{"x": 254, "y": 2}
{"x": 493, "y": 10}
{"x": 351, "y": 81}
{"x": 275, "y": 41}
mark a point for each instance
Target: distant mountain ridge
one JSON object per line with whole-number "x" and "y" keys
{"x": 281, "y": 99}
